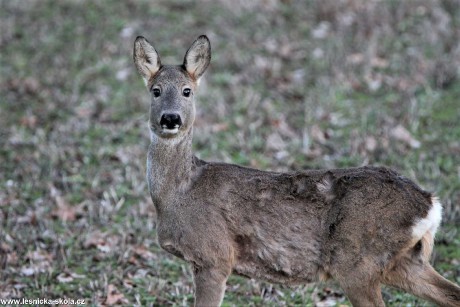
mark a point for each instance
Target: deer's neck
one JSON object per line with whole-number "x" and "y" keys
{"x": 169, "y": 168}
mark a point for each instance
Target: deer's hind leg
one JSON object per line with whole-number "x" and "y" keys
{"x": 412, "y": 272}
{"x": 360, "y": 280}
{"x": 210, "y": 285}
{"x": 362, "y": 292}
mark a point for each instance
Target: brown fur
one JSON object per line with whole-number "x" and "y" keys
{"x": 354, "y": 225}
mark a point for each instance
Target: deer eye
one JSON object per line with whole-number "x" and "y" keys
{"x": 186, "y": 92}
{"x": 156, "y": 92}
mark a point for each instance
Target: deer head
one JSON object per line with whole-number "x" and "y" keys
{"x": 172, "y": 87}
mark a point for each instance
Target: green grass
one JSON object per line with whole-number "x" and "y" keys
{"x": 74, "y": 114}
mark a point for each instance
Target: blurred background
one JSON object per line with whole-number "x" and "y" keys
{"x": 292, "y": 85}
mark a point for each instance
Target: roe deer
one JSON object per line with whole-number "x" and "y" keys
{"x": 360, "y": 226}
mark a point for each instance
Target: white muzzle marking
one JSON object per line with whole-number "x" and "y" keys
{"x": 173, "y": 131}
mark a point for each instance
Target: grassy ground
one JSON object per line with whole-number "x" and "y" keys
{"x": 292, "y": 85}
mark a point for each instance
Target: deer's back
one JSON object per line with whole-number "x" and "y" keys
{"x": 294, "y": 227}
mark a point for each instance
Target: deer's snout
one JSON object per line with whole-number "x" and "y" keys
{"x": 170, "y": 121}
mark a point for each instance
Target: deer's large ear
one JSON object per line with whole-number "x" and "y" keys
{"x": 146, "y": 59}
{"x": 198, "y": 57}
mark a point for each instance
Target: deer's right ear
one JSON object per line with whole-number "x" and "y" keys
{"x": 198, "y": 57}
{"x": 146, "y": 59}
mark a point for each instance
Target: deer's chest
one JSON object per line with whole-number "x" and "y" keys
{"x": 169, "y": 236}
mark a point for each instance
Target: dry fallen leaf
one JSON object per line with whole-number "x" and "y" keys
{"x": 402, "y": 134}
{"x": 64, "y": 211}
{"x": 29, "y": 121}
{"x": 27, "y": 271}
{"x": 355, "y": 58}
{"x": 281, "y": 125}
{"x": 318, "y": 134}
{"x": 114, "y": 296}
{"x": 102, "y": 241}
{"x": 66, "y": 277}
{"x": 143, "y": 252}
{"x": 5, "y": 248}
{"x": 39, "y": 262}
{"x": 31, "y": 85}
{"x": 30, "y": 270}
{"x": 39, "y": 256}
{"x": 11, "y": 290}
{"x": 30, "y": 217}
{"x": 275, "y": 142}
{"x": 12, "y": 258}
{"x": 219, "y": 127}
{"x": 94, "y": 238}
{"x": 379, "y": 62}
{"x": 370, "y": 143}
{"x": 128, "y": 283}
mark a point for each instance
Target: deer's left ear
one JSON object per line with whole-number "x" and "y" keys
{"x": 198, "y": 57}
{"x": 146, "y": 59}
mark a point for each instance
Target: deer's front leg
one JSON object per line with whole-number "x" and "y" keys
{"x": 210, "y": 285}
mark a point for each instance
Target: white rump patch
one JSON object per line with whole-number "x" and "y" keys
{"x": 430, "y": 223}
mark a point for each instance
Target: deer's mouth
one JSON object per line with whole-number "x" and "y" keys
{"x": 168, "y": 130}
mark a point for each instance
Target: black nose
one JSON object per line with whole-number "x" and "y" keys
{"x": 171, "y": 121}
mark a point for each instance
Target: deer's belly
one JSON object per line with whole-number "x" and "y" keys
{"x": 279, "y": 263}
